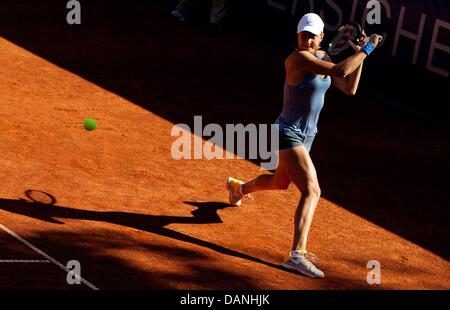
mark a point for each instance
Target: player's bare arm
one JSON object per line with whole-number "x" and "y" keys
{"x": 311, "y": 63}
{"x": 348, "y": 84}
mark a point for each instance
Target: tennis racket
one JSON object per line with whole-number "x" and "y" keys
{"x": 340, "y": 48}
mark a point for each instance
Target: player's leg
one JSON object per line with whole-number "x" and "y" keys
{"x": 302, "y": 173}
{"x": 279, "y": 180}
{"x": 238, "y": 189}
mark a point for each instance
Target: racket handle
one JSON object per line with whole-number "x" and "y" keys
{"x": 366, "y": 39}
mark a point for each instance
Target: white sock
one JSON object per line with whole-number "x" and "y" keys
{"x": 296, "y": 252}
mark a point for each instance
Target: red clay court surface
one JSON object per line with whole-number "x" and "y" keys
{"x": 135, "y": 218}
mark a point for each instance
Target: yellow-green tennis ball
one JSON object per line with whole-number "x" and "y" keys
{"x": 89, "y": 124}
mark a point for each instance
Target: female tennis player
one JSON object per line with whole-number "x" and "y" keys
{"x": 309, "y": 74}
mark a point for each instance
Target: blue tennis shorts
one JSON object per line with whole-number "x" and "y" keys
{"x": 291, "y": 136}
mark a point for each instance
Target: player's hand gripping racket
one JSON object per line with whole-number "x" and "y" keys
{"x": 340, "y": 48}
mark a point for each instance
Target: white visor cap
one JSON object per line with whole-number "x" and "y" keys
{"x": 310, "y": 22}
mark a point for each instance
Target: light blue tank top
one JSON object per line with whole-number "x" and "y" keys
{"x": 302, "y": 103}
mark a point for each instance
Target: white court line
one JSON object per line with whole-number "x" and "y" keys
{"x": 24, "y": 261}
{"x": 54, "y": 261}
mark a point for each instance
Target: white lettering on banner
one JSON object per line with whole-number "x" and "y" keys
{"x": 276, "y": 5}
{"x": 341, "y": 10}
{"x": 282, "y": 7}
{"x": 311, "y": 5}
{"x": 417, "y": 37}
{"x": 354, "y": 7}
{"x": 294, "y": 7}
{"x": 435, "y": 45}
{"x": 338, "y": 10}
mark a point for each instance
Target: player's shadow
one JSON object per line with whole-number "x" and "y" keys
{"x": 206, "y": 213}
